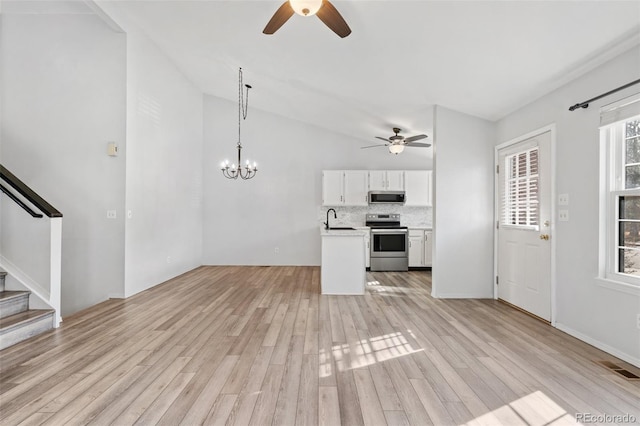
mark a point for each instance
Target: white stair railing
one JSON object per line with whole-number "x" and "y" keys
{"x": 31, "y": 249}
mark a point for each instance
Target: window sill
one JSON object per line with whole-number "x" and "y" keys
{"x": 618, "y": 286}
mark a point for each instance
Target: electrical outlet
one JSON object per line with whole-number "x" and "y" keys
{"x": 276, "y": 250}
{"x": 638, "y": 321}
{"x": 563, "y": 215}
{"x": 111, "y": 214}
{"x": 563, "y": 199}
{"x": 168, "y": 259}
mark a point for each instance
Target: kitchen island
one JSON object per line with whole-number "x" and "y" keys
{"x": 343, "y": 269}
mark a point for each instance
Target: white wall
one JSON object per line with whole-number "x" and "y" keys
{"x": 463, "y": 206}
{"x": 605, "y": 317}
{"x": 163, "y": 228}
{"x": 164, "y": 168}
{"x": 63, "y": 96}
{"x": 244, "y": 221}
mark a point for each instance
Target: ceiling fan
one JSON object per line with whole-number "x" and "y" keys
{"x": 396, "y": 143}
{"x": 323, "y": 8}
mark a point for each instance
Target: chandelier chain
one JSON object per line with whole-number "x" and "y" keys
{"x": 243, "y": 102}
{"x": 233, "y": 171}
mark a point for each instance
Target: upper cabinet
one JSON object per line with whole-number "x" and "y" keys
{"x": 344, "y": 187}
{"x": 332, "y": 187}
{"x": 356, "y": 188}
{"x": 351, "y": 187}
{"x": 386, "y": 180}
{"x": 417, "y": 184}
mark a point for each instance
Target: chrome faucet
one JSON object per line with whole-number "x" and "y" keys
{"x": 335, "y": 216}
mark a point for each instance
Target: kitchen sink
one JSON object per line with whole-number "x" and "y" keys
{"x": 341, "y": 228}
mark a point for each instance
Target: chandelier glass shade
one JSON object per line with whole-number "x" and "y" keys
{"x": 233, "y": 170}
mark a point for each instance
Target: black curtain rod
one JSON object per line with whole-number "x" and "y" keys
{"x": 585, "y": 104}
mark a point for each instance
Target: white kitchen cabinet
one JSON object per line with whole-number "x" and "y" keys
{"x": 344, "y": 187}
{"x": 416, "y": 248}
{"x": 332, "y": 187}
{"x": 342, "y": 270}
{"x": 377, "y": 180}
{"x": 386, "y": 180}
{"x": 367, "y": 248}
{"x": 356, "y": 187}
{"x": 420, "y": 248}
{"x": 395, "y": 180}
{"x": 428, "y": 248}
{"x": 418, "y": 187}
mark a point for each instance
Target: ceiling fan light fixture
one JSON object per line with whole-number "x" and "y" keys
{"x": 396, "y": 148}
{"x": 306, "y": 7}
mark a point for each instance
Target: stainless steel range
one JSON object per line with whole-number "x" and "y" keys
{"x": 389, "y": 243}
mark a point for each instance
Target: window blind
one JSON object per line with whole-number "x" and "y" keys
{"x": 520, "y": 200}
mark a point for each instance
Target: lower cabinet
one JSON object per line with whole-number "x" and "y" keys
{"x": 367, "y": 248}
{"x": 416, "y": 247}
{"x": 428, "y": 248}
{"x": 420, "y": 248}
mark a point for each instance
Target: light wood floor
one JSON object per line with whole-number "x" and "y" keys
{"x": 260, "y": 345}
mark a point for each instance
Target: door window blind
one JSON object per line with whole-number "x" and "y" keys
{"x": 520, "y": 198}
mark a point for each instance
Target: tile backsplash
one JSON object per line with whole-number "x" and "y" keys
{"x": 421, "y": 217}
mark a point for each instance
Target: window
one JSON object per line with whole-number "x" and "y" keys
{"x": 621, "y": 135}
{"x": 520, "y": 200}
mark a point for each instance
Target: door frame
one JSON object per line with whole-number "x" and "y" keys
{"x": 552, "y": 152}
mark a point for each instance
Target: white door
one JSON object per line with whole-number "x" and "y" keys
{"x": 524, "y": 231}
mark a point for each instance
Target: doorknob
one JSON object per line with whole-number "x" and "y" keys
{"x": 544, "y": 237}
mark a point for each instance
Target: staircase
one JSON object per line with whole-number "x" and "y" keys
{"x": 17, "y": 321}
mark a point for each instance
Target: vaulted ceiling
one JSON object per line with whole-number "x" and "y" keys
{"x": 484, "y": 58}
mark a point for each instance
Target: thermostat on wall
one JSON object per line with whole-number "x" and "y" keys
{"x": 112, "y": 149}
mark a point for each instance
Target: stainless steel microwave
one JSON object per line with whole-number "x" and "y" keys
{"x": 387, "y": 197}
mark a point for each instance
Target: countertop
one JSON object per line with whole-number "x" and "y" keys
{"x": 358, "y": 232}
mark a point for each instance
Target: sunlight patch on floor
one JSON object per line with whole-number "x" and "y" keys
{"x": 365, "y": 352}
{"x": 377, "y": 287}
{"x": 531, "y": 410}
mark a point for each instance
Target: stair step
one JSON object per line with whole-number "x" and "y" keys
{"x": 13, "y": 302}
{"x": 24, "y": 325}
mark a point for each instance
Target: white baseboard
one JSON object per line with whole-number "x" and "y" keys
{"x": 116, "y": 296}
{"x": 598, "y": 344}
{"x": 462, "y": 296}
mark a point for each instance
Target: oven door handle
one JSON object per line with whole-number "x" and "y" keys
{"x": 389, "y": 231}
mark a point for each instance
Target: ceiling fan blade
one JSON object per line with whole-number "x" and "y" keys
{"x": 382, "y": 139}
{"x": 415, "y": 138}
{"x": 332, "y": 19}
{"x": 278, "y": 19}
{"x": 372, "y": 146}
{"x": 419, "y": 145}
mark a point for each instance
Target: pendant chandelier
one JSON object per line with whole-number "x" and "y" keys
{"x": 233, "y": 171}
